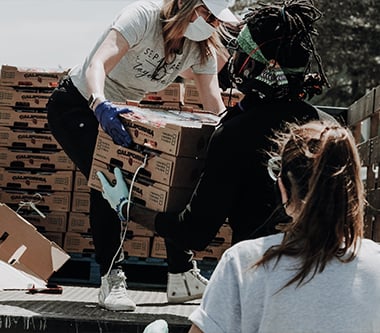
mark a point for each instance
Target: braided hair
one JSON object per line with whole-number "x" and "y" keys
{"x": 282, "y": 33}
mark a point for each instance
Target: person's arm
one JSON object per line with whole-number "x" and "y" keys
{"x": 118, "y": 196}
{"x": 109, "y": 53}
{"x": 209, "y": 92}
{"x": 222, "y": 58}
{"x": 142, "y": 215}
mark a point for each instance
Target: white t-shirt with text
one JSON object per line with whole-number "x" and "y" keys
{"x": 344, "y": 298}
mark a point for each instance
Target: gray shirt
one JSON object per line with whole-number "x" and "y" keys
{"x": 141, "y": 26}
{"x": 345, "y": 297}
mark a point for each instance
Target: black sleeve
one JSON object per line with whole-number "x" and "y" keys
{"x": 197, "y": 224}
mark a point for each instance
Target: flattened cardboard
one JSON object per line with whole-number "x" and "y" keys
{"x": 12, "y": 278}
{"x": 23, "y": 247}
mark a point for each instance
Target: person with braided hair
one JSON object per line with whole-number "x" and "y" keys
{"x": 319, "y": 274}
{"x": 271, "y": 65}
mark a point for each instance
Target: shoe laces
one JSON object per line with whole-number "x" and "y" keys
{"x": 118, "y": 284}
{"x": 195, "y": 271}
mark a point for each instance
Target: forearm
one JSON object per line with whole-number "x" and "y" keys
{"x": 209, "y": 93}
{"x": 141, "y": 215}
{"x": 104, "y": 60}
{"x": 95, "y": 77}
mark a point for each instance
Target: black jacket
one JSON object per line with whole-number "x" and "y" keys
{"x": 235, "y": 184}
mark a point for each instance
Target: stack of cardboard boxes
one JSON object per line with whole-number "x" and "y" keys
{"x": 34, "y": 170}
{"x": 170, "y": 147}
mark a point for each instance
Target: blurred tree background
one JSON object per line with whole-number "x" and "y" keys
{"x": 348, "y": 42}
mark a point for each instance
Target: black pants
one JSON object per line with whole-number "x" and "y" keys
{"x": 75, "y": 127}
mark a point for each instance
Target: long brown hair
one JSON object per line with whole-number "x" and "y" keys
{"x": 320, "y": 168}
{"x": 174, "y": 23}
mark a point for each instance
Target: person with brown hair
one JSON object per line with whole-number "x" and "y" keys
{"x": 319, "y": 274}
{"x": 148, "y": 45}
{"x": 272, "y": 64}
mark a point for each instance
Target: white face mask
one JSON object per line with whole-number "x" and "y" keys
{"x": 199, "y": 30}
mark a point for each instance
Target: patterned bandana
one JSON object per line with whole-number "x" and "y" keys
{"x": 249, "y": 46}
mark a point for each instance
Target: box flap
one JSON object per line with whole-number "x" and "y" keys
{"x": 23, "y": 247}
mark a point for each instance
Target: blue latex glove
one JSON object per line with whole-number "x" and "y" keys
{"x": 107, "y": 115}
{"x": 117, "y": 195}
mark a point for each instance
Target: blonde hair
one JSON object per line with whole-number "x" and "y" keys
{"x": 174, "y": 23}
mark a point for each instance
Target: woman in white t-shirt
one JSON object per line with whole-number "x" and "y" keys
{"x": 319, "y": 274}
{"x": 148, "y": 45}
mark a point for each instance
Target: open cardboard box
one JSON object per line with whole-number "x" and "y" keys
{"x": 177, "y": 133}
{"x": 25, "y": 249}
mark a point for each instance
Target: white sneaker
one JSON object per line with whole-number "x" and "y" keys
{"x": 157, "y": 326}
{"x": 113, "y": 292}
{"x": 183, "y": 287}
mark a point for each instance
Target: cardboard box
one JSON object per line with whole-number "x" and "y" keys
{"x": 81, "y": 202}
{"x": 163, "y": 168}
{"x": 12, "y": 278}
{"x": 225, "y": 233}
{"x": 177, "y": 133}
{"x": 56, "y": 237}
{"x": 137, "y": 246}
{"x": 53, "y": 221}
{"x": 79, "y": 222}
{"x": 36, "y": 180}
{"x": 26, "y": 249}
{"x": 191, "y": 94}
{"x": 45, "y": 201}
{"x": 155, "y": 196}
{"x": 42, "y": 159}
{"x": 27, "y": 139}
{"x": 30, "y": 77}
{"x": 220, "y": 243}
{"x": 158, "y": 248}
{"x": 78, "y": 242}
{"x": 80, "y": 182}
{"x": 23, "y": 98}
{"x": 174, "y": 92}
{"x": 12, "y": 117}
{"x": 212, "y": 251}
{"x": 136, "y": 229}
{"x": 231, "y": 98}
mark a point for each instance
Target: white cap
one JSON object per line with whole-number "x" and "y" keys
{"x": 219, "y": 8}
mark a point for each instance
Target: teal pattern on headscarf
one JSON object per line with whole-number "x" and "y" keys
{"x": 249, "y": 46}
